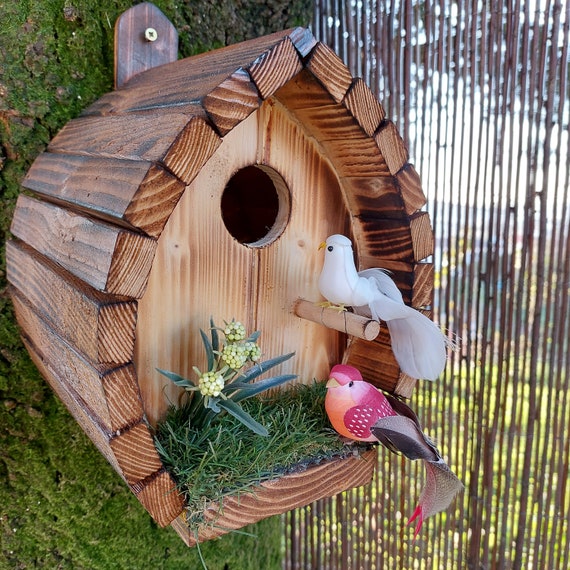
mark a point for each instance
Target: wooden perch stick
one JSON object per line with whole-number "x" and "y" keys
{"x": 343, "y": 321}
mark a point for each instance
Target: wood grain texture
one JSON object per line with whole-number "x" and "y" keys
{"x": 108, "y": 258}
{"x": 422, "y": 296}
{"x": 375, "y": 360}
{"x": 422, "y": 235}
{"x": 364, "y": 106}
{"x": 133, "y": 52}
{"x": 182, "y": 85}
{"x": 144, "y": 136}
{"x": 391, "y": 146}
{"x": 275, "y": 67}
{"x": 405, "y": 386}
{"x": 122, "y": 395}
{"x": 65, "y": 364}
{"x": 104, "y": 403}
{"x": 343, "y": 321}
{"x": 303, "y": 91}
{"x": 330, "y": 122}
{"x": 100, "y": 326}
{"x": 387, "y": 239}
{"x": 193, "y": 146}
{"x": 159, "y": 496}
{"x": 182, "y": 143}
{"x": 373, "y": 197}
{"x": 281, "y": 495}
{"x": 153, "y": 201}
{"x": 135, "y": 453}
{"x": 303, "y": 40}
{"x": 212, "y": 274}
{"x": 133, "y": 193}
{"x": 330, "y": 70}
{"x": 411, "y": 189}
{"x": 232, "y": 101}
{"x": 76, "y": 407}
{"x": 109, "y": 393}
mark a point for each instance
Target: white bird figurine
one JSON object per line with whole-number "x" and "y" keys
{"x": 418, "y": 343}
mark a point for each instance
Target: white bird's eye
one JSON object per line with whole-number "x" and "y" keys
{"x": 330, "y": 247}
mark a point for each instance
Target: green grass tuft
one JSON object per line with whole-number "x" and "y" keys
{"x": 225, "y": 458}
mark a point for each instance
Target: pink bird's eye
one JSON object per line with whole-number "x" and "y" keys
{"x": 350, "y": 384}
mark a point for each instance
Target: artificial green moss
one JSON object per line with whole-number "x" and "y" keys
{"x": 225, "y": 458}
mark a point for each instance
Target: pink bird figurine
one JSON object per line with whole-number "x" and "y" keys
{"x": 359, "y": 411}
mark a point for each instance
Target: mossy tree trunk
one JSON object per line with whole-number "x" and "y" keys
{"x": 61, "y": 504}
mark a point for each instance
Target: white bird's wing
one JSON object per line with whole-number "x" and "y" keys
{"x": 384, "y": 300}
{"x": 417, "y": 342}
{"x": 384, "y": 283}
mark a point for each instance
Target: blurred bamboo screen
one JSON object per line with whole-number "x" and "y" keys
{"x": 480, "y": 92}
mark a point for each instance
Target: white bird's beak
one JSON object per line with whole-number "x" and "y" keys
{"x": 333, "y": 383}
{"x": 322, "y": 245}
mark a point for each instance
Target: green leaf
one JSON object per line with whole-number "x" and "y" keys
{"x": 213, "y": 404}
{"x": 177, "y": 379}
{"x": 262, "y": 367}
{"x": 215, "y": 336}
{"x": 253, "y": 336}
{"x": 237, "y": 412}
{"x": 209, "y": 350}
{"x": 248, "y": 390}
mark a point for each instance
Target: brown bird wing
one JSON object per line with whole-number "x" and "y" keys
{"x": 402, "y": 435}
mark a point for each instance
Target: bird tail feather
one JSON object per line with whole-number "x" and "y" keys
{"x": 403, "y": 434}
{"x": 418, "y": 345}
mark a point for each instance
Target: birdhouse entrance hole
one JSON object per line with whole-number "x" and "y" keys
{"x": 255, "y": 205}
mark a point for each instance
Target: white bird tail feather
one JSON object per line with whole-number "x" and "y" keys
{"x": 418, "y": 345}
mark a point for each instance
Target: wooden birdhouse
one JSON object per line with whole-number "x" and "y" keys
{"x": 203, "y": 187}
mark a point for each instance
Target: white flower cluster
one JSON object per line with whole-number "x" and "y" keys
{"x": 234, "y": 331}
{"x": 236, "y": 353}
{"x": 253, "y": 351}
{"x": 211, "y": 383}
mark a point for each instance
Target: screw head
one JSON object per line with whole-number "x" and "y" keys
{"x": 150, "y": 35}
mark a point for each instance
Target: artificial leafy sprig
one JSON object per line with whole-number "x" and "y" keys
{"x": 228, "y": 380}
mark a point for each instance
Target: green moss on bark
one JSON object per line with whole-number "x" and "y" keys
{"x": 61, "y": 505}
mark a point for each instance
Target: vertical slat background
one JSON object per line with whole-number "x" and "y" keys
{"x": 479, "y": 90}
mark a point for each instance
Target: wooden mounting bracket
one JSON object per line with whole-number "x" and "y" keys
{"x": 144, "y": 38}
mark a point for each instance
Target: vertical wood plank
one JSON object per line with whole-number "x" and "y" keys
{"x": 136, "y": 51}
